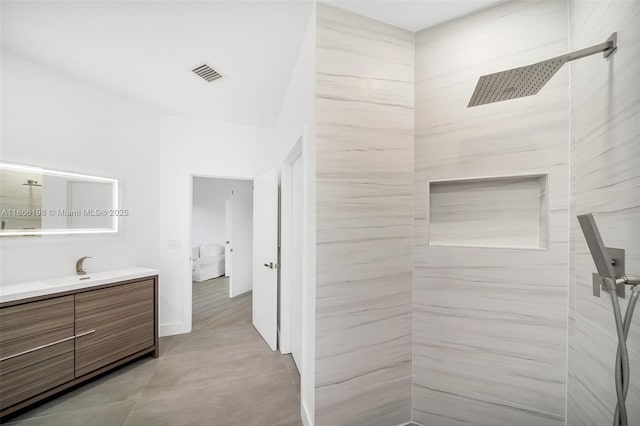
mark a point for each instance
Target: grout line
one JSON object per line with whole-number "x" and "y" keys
{"x": 568, "y": 382}
{"x": 413, "y": 233}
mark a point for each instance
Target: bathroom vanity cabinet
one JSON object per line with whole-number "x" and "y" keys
{"x": 52, "y": 342}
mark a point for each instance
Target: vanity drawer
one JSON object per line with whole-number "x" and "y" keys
{"x": 35, "y": 379}
{"x": 33, "y": 357}
{"x": 113, "y": 323}
{"x": 36, "y": 324}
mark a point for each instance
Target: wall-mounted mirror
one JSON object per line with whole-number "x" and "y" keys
{"x": 37, "y": 201}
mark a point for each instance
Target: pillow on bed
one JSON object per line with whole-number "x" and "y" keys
{"x": 195, "y": 252}
{"x": 207, "y": 250}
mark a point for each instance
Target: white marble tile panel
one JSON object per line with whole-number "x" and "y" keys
{"x": 498, "y": 153}
{"x": 594, "y": 392}
{"x": 482, "y": 277}
{"x": 364, "y": 175}
{"x": 496, "y": 319}
{"x": 605, "y": 155}
{"x": 513, "y": 352}
{"x": 367, "y": 90}
{"x": 356, "y": 116}
{"x": 451, "y": 57}
{"x": 367, "y": 401}
{"x": 436, "y": 407}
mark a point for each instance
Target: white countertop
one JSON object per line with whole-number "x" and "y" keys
{"x": 22, "y": 290}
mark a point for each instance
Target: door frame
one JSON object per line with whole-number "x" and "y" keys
{"x": 188, "y": 303}
{"x": 227, "y": 240}
{"x": 285, "y": 321}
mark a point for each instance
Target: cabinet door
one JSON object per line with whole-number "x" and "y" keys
{"x": 24, "y": 383}
{"x": 26, "y": 327}
{"x": 113, "y": 323}
{"x": 36, "y": 348}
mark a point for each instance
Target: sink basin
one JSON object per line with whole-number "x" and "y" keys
{"x": 22, "y": 290}
{"x": 94, "y": 277}
{"x": 67, "y": 280}
{"x": 29, "y": 286}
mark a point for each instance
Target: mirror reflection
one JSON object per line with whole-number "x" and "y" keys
{"x": 36, "y": 201}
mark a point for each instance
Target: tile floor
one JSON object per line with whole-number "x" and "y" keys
{"x": 222, "y": 373}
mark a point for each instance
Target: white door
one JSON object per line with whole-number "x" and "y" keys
{"x": 265, "y": 256}
{"x": 296, "y": 262}
{"x": 228, "y": 252}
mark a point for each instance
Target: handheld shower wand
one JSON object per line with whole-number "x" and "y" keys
{"x": 611, "y": 277}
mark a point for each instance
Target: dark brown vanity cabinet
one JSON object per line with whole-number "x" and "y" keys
{"x": 50, "y": 343}
{"x": 112, "y": 323}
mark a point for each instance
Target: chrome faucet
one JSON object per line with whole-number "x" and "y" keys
{"x": 79, "y": 267}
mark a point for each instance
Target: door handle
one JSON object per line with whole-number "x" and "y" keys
{"x": 271, "y": 265}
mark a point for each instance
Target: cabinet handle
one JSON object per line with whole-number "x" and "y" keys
{"x": 84, "y": 333}
{"x": 38, "y": 348}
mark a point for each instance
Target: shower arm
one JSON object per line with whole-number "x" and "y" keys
{"x": 608, "y": 47}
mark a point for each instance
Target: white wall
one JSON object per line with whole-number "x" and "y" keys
{"x": 297, "y": 118}
{"x": 191, "y": 147}
{"x": 54, "y": 121}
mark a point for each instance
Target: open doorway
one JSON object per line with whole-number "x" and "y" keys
{"x": 221, "y": 250}
{"x": 224, "y": 341}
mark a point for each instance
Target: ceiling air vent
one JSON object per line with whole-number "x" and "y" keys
{"x": 207, "y": 73}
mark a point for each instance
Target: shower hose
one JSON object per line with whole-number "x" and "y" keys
{"x": 622, "y": 356}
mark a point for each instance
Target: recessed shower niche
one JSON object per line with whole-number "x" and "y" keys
{"x": 501, "y": 212}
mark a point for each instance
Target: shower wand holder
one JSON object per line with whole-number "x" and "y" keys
{"x": 617, "y": 261}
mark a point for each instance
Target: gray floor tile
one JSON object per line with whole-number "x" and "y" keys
{"x": 264, "y": 399}
{"x": 165, "y": 344}
{"x": 197, "y": 367}
{"x": 126, "y": 383}
{"x": 235, "y": 337}
{"x": 113, "y": 414}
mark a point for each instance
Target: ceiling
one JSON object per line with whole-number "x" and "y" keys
{"x": 412, "y": 15}
{"x": 144, "y": 50}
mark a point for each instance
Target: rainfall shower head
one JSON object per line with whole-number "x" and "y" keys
{"x": 528, "y": 80}
{"x": 515, "y": 83}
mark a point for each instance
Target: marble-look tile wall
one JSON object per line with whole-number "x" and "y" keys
{"x": 490, "y": 324}
{"x": 364, "y": 137}
{"x": 605, "y": 180}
